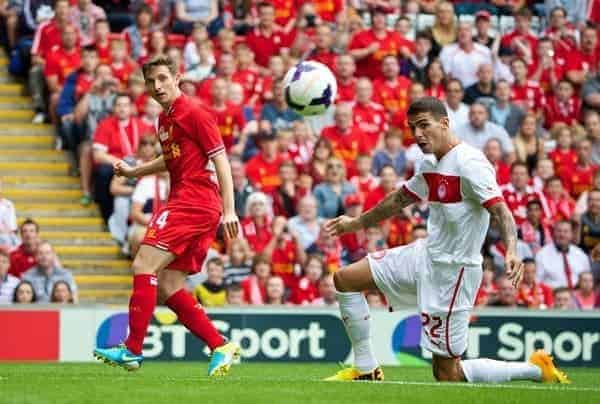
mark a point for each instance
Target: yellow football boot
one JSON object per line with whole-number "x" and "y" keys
{"x": 550, "y": 373}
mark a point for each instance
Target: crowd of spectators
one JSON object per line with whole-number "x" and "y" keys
{"x": 520, "y": 80}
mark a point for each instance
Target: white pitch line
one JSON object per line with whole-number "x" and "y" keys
{"x": 489, "y": 386}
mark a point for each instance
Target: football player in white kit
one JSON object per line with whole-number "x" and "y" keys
{"x": 443, "y": 271}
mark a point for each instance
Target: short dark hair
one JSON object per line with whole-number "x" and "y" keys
{"x": 384, "y": 167}
{"x": 518, "y": 164}
{"x": 558, "y": 8}
{"x": 160, "y": 60}
{"x": 264, "y": 4}
{"x": 30, "y": 221}
{"x": 143, "y": 8}
{"x": 234, "y": 287}
{"x": 528, "y": 260}
{"x": 122, "y": 95}
{"x": 428, "y": 104}
{"x": 89, "y": 48}
{"x": 534, "y": 202}
{"x": 215, "y": 260}
{"x": 101, "y": 21}
{"x": 560, "y": 289}
{"x": 451, "y": 81}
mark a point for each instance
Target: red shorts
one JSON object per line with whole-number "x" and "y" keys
{"x": 184, "y": 233}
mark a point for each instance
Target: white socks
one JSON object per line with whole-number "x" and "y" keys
{"x": 492, "y": 371}
{"x": 357, "y": 319}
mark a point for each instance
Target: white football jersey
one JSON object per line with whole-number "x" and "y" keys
{"x": 458, "y": 188}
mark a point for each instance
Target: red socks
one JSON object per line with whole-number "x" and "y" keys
{"x": 191, "y": 315}
{"x": 141, "y": 308}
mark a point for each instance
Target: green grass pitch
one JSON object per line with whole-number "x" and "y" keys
{"x": 186, "y": 383}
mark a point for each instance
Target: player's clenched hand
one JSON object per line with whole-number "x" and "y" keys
{"x": 513, "y": 268}
{"x": 341, "y": 225}
{"x": 231, "y": 225}
{"x": 122, "y": 169}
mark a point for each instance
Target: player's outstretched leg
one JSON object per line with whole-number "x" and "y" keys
{"x": 194, "y": 318}
{"x": 349, "y": 283}
{"x": 141, "y": 308}
{"x": 539, "y": 368}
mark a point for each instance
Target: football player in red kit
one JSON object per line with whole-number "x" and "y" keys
{"x": 180, "y": 233}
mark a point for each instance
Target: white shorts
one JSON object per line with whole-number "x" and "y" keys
{"x": 443, "y": 293}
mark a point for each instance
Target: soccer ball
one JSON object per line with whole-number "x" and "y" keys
{"x": 310, "y": 88}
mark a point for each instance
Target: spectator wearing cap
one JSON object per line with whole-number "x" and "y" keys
{"x": 263, "y": 169}
{"x": 8, "y": 223}
{"x": 483, "y": 22}
{"x": 368, "y": 47}
{"x": 256, "y": 224}
{"x": 346, "y": 139}
{"x": 461, "y": 60}
{"x": 503, "y": 112}
{"x": 331, "y": 192}
{"x": 368, "y": 116}
{"x": 307, "y": 223}
{"x": 534, "y": 230}
{"x": 518, "y": 192}
{"x": 391, "y": 91}
{"x": 267, "y": 38}
{"x": 560, "y": 263}
{"x": 46, "y": 273}
{"x": 23, "y": 257}
{"x": 345, "y": 68}
{"x": 478, "y": 130}
{"x": 521, "y": 40}
{"x": 560, "y": 204}
{"x": 483, "y": 90}
{"x": 189, "y": 12}
{"x": 8, "y": 282}
{"x": 530, "y": 293}
{"x": 493, "y": 152}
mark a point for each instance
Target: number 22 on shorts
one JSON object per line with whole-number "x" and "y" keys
{"x": 161, "y": 220}
{"x": 431, "y": 325}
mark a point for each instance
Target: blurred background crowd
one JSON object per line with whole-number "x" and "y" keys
{"x": 520, "y": 80}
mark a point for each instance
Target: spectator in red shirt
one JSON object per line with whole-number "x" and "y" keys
{"x": 122, "y": 67}
{"x": 391, "y": 91}
{"x": 368, "y": 47}
{"x": 584, "y": 62}
{"x": 306, "y": 289}
{"x": 563, "y": 107}
{"x": 435, "y": 80}
{"x": 345, "y": 69}
{"x": 102, "y": 40}
{"x": 263, "y": 169}
{"x": 230, "y": 119}
{"x": 518, "y": 192}
{"x": 534, "y": 231}
{"x": 254, "y": 286}
{"x": 116, "y": 138}
{"x": 257, "y": 222}
{"x": 285, "y": 252}
{"x": 521, "y": 40}
{"x": 543, "y": 172}
{"x": 488, "y": 289}
{"x": 322, "y": 51}
{"x": 267, "y": 38}
{"x": 368, "y": 116}
{"x": 47, "y": 36}
{"x": 346, "y": 139}
{"x": 581, "y": 179}
{"x": 548, "y": 66}
{"x": 524, "y": 93}
{"x": 60, "y": 62}
{"x": 285, "y": 13}
{"x": 584, "y": 294}
{"x": 493, "y": 152}
{"x": 275, "y": 289}
{"x": 532, "y": 294}
{"x": 23, "y": 257}
{"x": 364, "y": 181}
{"x": 560, "y": 204}
{"x": 563, "y": 156}
{"x": 388, "y": 184}
{"x": 331, "y": 11}
{"x": 560, "y": 31}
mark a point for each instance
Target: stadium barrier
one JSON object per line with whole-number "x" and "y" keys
{"x": 70, "y": 333}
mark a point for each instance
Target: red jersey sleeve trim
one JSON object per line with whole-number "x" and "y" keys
{"x": 411, "y": 193}
{"x": 215, "y": 151}
{"x": 492, "y": 201}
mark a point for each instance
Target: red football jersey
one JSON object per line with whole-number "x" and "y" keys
{"x": 400, "y": 232}
{"x": 229, "y": 119}
{"x": 529, "y": 95}
{"x": 117, "y": 140}
{"x": 83, "y": 84}
{"x": 564, "y": 161}
{"x": 371, "y": 120}
{"x": 264, "y": 174}
{"x": 285, "y": 10}
{"x": 556, "y": 111}
{"x": 502, "y": 172}
{"x": 517, "y": 201}
{"x": 509, "y": 41}
{"x": 123, "y": 72}
{"x": 374, "y": 197}
{"x": 248, "y": 79}
{"x": 580, "y": 180}
{"x": 560, "y": 68}
{"x": 21, "y": 261}
{"x": 266, "y": 46}
{"x": 61, "y": 63}
{"x": 304, "y": 292}
{"x": 189, "y": 138}
{"x": 392, "y": 95}
{"x": 346, "y": 92}
{"x": 257, "y": 236}
{"x": 399, "y": 120}
{"x": 586, "y": 62}
{"x": 47, "y": 36}
{"x": 326, "y": 57}
{"x": 347, "y": 146}
{"x": 326, "y": 9}
{"x": 103, "y": 53}
{"x": 390, "y": 44}
{"x": 283, "y": 261}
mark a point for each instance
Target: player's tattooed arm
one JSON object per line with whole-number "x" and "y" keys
{"x": 390, "y": 206}
{"x": 513, "y": 267}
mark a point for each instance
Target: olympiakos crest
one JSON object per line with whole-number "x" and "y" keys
{"x": 163, "y": 134}
{"x": 442, "y": 191}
